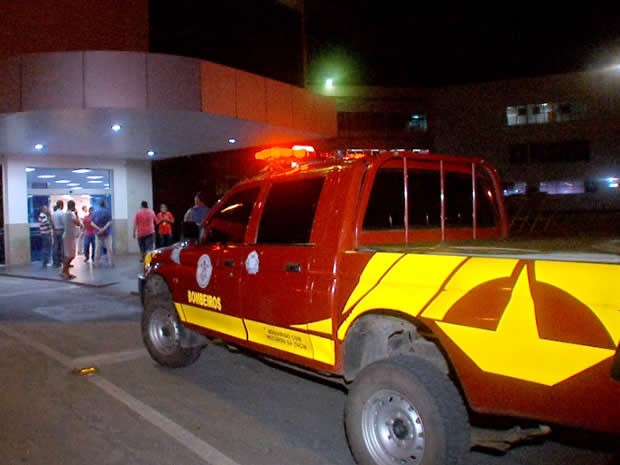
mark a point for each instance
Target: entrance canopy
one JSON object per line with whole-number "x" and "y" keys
{"x": 134, "y": 105}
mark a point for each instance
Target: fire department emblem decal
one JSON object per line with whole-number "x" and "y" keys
{"x": 251, "y": 263}
{"x": 203, "y": 271}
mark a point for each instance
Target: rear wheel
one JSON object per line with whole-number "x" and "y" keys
{"x": 404, "y": 411}
{"x": 162, "y": 332}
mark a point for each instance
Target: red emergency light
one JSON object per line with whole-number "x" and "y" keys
{"x": 283, "y": 153}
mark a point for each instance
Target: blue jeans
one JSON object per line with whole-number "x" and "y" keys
{"x": 146, "y": 244}
{"x": 46, "y": 248}
{"x": 89, "y": 247}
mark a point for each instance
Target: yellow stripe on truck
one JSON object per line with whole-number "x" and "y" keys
{"x": 295, "y": 342}
{"x": 216, "y": 321}
{"x": 396, "y": 282}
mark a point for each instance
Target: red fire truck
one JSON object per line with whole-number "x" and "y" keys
{"x": 392, "y": 271}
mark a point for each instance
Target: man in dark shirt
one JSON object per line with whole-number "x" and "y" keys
{"x": 102, "y": 223}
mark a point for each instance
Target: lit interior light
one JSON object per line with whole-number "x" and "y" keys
{"x": 81, "y": 171}
{"x": 73, "y": 184}
{"x": 76, "y": 187}
{"x": 39, "y": 147}
{"x": 116, "y": 127}
{"x": 94, "y": 177}
{"x": 95, "y": 182}
{"x": 46, "y": 176}
{"x": 30, "y": 170}
{"x": 232, "y": 140}
{"x": 151, "y": 153}
{"x": 63, "y": 181}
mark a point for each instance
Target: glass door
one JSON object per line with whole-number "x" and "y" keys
{"x": 86, "y": 187}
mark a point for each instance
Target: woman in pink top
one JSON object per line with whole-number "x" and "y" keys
{"x": 144, "y": 228}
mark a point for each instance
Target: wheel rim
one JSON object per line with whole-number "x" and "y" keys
{"x": 163, "y": 331}
{"x": 393, "y": 430}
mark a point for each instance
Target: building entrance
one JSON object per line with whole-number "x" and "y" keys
{"x": 86, "y": 187}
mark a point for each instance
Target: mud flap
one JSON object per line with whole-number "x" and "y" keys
{"x": 502, "y": 440}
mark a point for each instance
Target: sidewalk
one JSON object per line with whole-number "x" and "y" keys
{"x": 123, "y": 275}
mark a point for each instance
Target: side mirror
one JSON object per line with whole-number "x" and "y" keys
{"x": 190, "y": 230}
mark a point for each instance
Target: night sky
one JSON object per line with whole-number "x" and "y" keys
{"x": 391, "y": 43}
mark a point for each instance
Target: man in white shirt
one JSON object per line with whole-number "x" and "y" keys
{"x": 58, "y": 222}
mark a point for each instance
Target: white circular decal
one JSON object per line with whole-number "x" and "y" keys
{"x": 203, "y": 271}
{"x": 251, "y": 263}
{"x": 175, "y": 255}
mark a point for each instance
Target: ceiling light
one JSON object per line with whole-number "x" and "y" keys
{"x": 81, "y": 171}
{"x": 94, "y": 177}
{"x": 63, "y": 181}
{"x": 73, "y": 184}
{"x": 151, "y": 153}
{"x": 29, "y": 170}
{"x": 46, "y": 176}
{"x": 116, "y": 127}
{"x": 232, "y": 140}
{"x": 95, "y": 182}
{"x": 39, "y": 147}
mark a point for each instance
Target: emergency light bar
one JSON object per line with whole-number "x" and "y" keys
{"x": 279, "y": 153}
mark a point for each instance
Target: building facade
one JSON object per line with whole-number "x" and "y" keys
{"x": 555, "y": 135}
{"x": 85, "y": 108}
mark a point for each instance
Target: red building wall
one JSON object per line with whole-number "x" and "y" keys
{"x": 28, "y": 26}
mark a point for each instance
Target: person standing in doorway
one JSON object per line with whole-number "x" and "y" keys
{"x": 70, "y": 235}
{"x": 194, "y": 216}
{"x": 89, "y": 236}
{"x": 165, "y": 220}
{"x": 45, "y": 229}
{"x": 58, "y": 225}
{"x": 144, "y": 228}
{"x": 102, "y": 222}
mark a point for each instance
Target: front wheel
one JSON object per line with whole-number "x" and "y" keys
{"x": 404, "y": 411}
{"x": 162, "y": 332}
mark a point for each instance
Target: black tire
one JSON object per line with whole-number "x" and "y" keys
{"x": 404, "y": 411}
{"x": 162, "y": 330}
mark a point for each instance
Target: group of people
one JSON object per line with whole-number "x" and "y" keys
{"x": 63, "y": 232}
{"x": 148, "y": 226}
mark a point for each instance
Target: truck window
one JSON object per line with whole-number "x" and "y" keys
{"x": 385, "y": 210}
{"x": 387, "y": 202}
{"x": 230, "y": 222}
{"x": 289, "y": 211}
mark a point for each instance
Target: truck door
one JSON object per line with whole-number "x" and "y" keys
{"x": 218, "y": 263}
{"x": 276, "y": 284}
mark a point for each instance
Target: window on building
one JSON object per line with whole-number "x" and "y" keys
{"x": 289, "y": 212}
{"x": 542, "y": 113}
{"x": 381, "y": 122}
{"x": 564, "y": 186}
{"x": 550, "y": 152}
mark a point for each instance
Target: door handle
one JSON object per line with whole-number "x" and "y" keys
{"x": 229, "y": 262}
{"x": 295, "y": 267}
